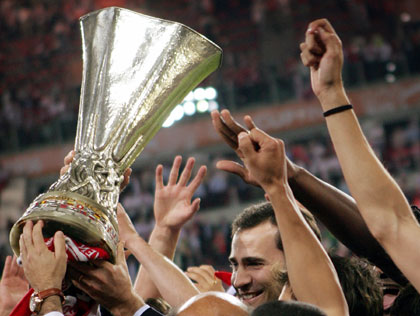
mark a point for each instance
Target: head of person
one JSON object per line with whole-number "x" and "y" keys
{"x": 212, "y": 304}
{"x": 287, "y": 308}
{"x": 360, "y": 284}
{"x": 257, "y": 257}
{"x": 407, "y": 302}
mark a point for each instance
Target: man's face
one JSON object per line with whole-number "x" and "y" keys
{"x": 254, "y": 256}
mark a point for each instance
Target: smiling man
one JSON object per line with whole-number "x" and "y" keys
{"x": 257, "y": 257}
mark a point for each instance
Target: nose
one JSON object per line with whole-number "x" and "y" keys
{"x": 241, "y": 278}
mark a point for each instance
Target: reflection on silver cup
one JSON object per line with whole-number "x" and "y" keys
{"x": 136, "y": 68}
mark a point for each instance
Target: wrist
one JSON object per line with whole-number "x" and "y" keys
{"x": 333, "y": 97}
{"x": 165, "y": 232}
{"x": 51, "y": 304}
{"x": 129, "y": 306}
{"x": 273, "y": 186}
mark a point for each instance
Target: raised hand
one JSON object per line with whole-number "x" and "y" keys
{"x": 229, "y": 130}
{"x": 322, "y": 52}
{"x": 173, "y": 206}
{"x": 13, "y": 285}
{"x": 263, "y": 156}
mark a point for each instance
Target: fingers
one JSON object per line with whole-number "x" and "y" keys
{"x": 229, "y": 136}
{"x": 198, "y": 179}
{"x": 230, "y": 122}
{"x": 173, "y": 176}
{"x": 245, "y": 144}
{"x": 64, "y": 169}
{"x": 186, "y": 173}
{"x": 27, "y": 236}
{"x": 308, "y": 59}
{"x": 313, "y": 43}
{"x": 7, "y": 269}
{"x": 320, "y": 23}
{"x": 59, "y": 245}
{"x": 195, "y": 205}
{"x": 67, "y": 161}
{"x": 249, "y": 122}
{"x": 159, "y": 177}
{"x": 69, "y": 157}
{"x": 232, "y": 166}
{"x": 38, "y": 237}
{"x": 325, "y": 34}
{"x": 209, "y": 270}
{"x": 126, "y": 181}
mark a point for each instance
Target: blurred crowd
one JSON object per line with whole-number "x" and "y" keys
{"x": 40, "y": 68}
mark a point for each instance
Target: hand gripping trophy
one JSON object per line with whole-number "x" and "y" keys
{"x": 136, "y": 68}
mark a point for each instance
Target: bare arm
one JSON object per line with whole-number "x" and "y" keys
{"x": 268, "y": 166}
{"x": 337, "y": 210}
{"x": 170, "y": 281}
{"x": 172, "y": 208}
{"x": 380, "y": 200}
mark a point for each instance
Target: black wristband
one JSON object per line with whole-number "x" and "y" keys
{"x": 338, "y": 109}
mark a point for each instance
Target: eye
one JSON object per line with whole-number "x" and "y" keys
{"x": 255, "y": 265}
{"x": 233, "y": 265}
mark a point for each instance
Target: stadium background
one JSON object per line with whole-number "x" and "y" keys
{"x": 261, "y": 75}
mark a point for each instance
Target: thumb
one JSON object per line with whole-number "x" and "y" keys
{"x": 245, "y": 144}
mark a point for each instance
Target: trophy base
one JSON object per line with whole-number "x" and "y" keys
{"x": 76, "y": 216}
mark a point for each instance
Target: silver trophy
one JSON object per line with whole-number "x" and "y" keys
{"x": 136, "y": 69}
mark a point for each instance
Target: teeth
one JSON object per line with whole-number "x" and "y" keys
{"x": 248, "y": 296}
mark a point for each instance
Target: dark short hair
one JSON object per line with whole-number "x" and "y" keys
{"x": 287, "y": 308}
{"x": 257, "y": 214}
{"x": 360, "y": 284}
{"x": 407, "y": 302}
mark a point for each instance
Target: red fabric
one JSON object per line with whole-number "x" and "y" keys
{"x": 224, "y": 276}
{"x": 77, "y": 303}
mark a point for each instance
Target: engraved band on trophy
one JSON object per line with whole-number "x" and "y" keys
{"x": 136, "y": 68}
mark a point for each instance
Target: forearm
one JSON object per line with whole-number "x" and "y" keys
{"x": 163, "y": 241}
{"x": 380, "y": 200}
{"x": 165, "y": 275}
{"x": 300, "y": 247}
{"x": 128, "y": 308}
{"x": 339, "y": 213}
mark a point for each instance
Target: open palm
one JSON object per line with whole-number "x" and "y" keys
{"x": 173, "y": 206}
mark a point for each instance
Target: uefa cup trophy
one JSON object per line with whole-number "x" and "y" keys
{"x": 136, "y": 68}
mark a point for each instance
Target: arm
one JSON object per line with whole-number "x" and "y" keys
{"x": 43, "y": 268}
{"x": 268, "y": 166}
{"x": 380, "y": 200}
{"x": 13, "y": 286}
{"x": 172, "y": 208}
{"x": 337, "y": 210}
{"x": 169, "y": 280}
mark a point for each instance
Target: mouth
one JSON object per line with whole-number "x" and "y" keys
{"x": 251, "y": 297}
